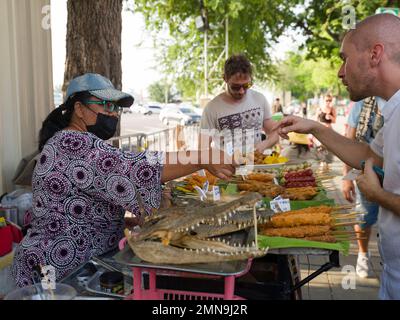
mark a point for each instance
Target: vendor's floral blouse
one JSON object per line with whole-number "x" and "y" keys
{"x": 81, "y": 189}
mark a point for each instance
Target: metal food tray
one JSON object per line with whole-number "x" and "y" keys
{"x": 127, "y": 257}
{"x": 90, "y": 289}
{"x": 93, "y": 285}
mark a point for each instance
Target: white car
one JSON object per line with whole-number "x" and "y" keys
{"x": 153, "y": 108}
{"x": 147, "y": 109}
{"x": 198, "y": 110}
{"x": 180, "y": 114}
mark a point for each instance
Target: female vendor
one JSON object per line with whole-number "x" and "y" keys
{"x": 82, "y": 185}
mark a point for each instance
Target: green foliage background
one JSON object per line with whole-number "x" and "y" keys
{"x": 254, "y": 28}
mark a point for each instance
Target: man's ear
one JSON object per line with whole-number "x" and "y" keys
{"x": 376, "y": 54}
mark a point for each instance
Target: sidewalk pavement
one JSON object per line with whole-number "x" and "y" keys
{"x": 328, "y": 285}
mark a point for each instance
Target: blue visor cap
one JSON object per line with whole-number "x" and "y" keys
{"x": 100, "y": 87}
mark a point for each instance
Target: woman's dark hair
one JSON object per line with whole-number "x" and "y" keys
{"x": 237, "y": 63}
{"x": 60, "y": 117}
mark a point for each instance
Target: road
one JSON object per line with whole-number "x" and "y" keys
{"x": 136, "y": 122}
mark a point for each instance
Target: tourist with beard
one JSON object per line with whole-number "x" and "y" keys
{"x": 371, "y": 67}
{"x": 239, "y": 114}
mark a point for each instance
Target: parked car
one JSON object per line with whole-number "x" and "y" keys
{"x": 198, "y": 110}
{"x": 181, "y": 114}
{"x": 293, "y": 108}
{"x": 147, "y": 109}
{"x": 153, "y": 108}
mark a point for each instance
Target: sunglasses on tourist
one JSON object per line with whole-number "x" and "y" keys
{"x": 237, "y": 87}
{"x": 107, "y": 105}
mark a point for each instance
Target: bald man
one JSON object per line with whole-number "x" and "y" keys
{"x": 371, "y": 67}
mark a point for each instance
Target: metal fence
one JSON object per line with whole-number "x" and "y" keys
{"x": 171, "y": 139}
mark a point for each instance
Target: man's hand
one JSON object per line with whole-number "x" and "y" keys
{"x": 348, "y": 190}
{"x": 260, "y": 146}
{"x": 295, "y": 124}
{"x": 273, "y": 139}
{"x": 368, "y": 182}
{"x": 223, "y": 167}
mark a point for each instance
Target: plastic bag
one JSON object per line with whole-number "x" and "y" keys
{"x": 20, "y": 199}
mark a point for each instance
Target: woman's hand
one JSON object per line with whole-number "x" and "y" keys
{"x": 220, "y": 164}
{"x": 348, "y": 190}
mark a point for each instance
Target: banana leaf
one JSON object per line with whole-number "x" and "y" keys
{"x": 284, "y": 243}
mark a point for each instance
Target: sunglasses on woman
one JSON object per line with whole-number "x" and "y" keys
{"x": 107, "y": 105}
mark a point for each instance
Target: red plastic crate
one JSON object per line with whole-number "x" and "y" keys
{"x": 6, "y": 240}
{"x": 153, "y": 293}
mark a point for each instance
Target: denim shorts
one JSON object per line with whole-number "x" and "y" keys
{"x": 371, "y": 209}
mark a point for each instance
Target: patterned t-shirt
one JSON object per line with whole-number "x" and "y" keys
{"x": 243, "y": 120}
{"x": 81, "y": 188}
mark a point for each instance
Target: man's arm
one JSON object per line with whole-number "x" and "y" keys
{"x": 370, "y": 186}
{"x": 349, "y": 151}
{"x": 348, "y": 188}
{"x": 388, "y": 200}
{"x": 272, "y": 136}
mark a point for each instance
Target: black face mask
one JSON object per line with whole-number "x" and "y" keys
{"x": 104, "y": 127}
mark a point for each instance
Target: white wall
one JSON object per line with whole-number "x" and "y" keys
{"x": 26, "y": 86}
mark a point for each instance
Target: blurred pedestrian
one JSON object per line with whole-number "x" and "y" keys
{"x": 304, "y": 109}
{"x": 327, "y": 116}
{"x": 277, "y": 106}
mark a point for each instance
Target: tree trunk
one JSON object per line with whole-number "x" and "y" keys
{"x": 94, "y": 40}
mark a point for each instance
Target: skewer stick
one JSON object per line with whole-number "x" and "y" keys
{"x": 344, "y": 232}
{"x": 358, "y": 212}
{"x": 346, "y": 206}
{"x": 350, "y": 223}
{"x": 341, "y": 211}
{"x": 349, "y": 239}
{"x": 346, "y": 216}
{"x": 187, "y": 197}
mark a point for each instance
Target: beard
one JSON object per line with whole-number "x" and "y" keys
{"x": 235, "y": 95}
{"x": 356, "y": 96}
{"x": 364, "y": 87}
